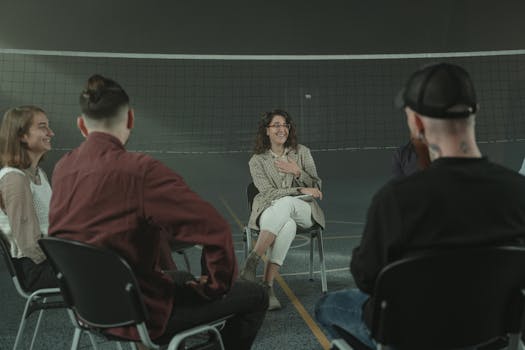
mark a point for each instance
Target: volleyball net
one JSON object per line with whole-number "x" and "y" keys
{"x": 212, "y": 104}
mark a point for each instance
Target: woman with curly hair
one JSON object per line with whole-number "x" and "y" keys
{"x": 284, "y": 172}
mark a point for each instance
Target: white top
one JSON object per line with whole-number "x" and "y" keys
{"x": 522, "y": 170}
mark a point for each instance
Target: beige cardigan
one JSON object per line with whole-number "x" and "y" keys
{"x": 271, "y": 187}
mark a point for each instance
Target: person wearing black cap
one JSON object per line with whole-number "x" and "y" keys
{"x": 462, "y": 199}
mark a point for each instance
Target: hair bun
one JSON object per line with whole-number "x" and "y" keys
{"x": 102, "y": 97}
{"x": 94, "y": 95}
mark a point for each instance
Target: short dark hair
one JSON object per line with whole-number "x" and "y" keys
{"x": 102, "y": 98}
{"x": 262, "y": 141}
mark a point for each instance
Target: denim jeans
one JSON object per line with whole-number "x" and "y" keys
{"x": 345, "y": 309}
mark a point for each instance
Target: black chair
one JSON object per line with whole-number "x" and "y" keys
{"x": 35, "y": 301}
{"x": 450, "y": 300}
{"x": 101, "y": 292}
{"x": 314, "y": 233}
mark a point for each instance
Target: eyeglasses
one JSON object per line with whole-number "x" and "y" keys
{"x": 278, "y": 126}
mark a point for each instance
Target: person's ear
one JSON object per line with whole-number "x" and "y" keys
{"x": 420, "y": 127}
{"x": 23, "y": 139}
{"x": 81, "y": 124}
{"x": 131, "y": 119}
{"x": 419, "y": 123}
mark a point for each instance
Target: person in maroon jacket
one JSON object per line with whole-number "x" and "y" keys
{"x": 135, "y": 205}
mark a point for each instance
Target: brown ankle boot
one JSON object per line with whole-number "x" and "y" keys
{"x": 250, "y": 267}
{"x": 273, "y": 302}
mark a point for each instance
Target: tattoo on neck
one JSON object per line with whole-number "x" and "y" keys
{"x": 463, "y": 146}
{"x": 434, "y": 151}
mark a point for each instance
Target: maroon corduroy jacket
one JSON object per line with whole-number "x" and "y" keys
{"x": 133, "y": 204}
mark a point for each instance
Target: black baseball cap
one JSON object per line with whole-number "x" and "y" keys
{"x": 441, "y": 90}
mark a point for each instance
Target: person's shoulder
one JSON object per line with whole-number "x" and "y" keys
{"x": 142, "y": 163}
{"x": 139, "y": 157}
{"x": 67, "y": 156}
{"x": 65, "y": 162}
{"x": 302, "y": 148}
{"x": 405, "y": 148}
{"x": 10, "y": 171}
{"x": 253, "y": 158}
{"x": 257, "y": 157}
{"x": 384, "y": 193}
{"x": 505, "y": 172}
{"x": 400, "y": 184}
{"x": 12, "y": 177}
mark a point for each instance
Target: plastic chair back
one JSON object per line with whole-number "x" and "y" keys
{"x": 251, "y": 192}
{"x": 450, "y": 299}
{"x": 14, "y": 272}
{"x": 4, "y": 248}
{"x": 96, "y": 283}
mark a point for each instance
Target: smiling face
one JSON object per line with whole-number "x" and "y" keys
{"x": 277, "y": 131}
{"x": 38, "y": 138}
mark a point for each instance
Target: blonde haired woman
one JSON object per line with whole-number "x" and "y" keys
{"x": 25, "y": 193}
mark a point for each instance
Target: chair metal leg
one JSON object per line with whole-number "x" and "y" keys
{"x": 76, "y": 338}
{"x": 177, "y": 339}
{"x": 247, "y": 241}
{"x": 93, "y": 341}
{"x": 22, "y": 323}
{"x": 320, "y": 246}
{"x": 340, "y": 344}
{"x": 514, "y": 342}
{"x": 311, "y": 265}
{"x": 37, "y": 326}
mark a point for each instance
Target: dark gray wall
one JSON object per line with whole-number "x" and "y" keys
{"x": 178, "y": 102}
{"x": 263, "y": 27}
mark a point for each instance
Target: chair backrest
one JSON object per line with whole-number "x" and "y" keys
{"x": 4, "y": 248}
{"x": 96, "y": 283}
{"x": 449, "y": 299}
{"x": 251, "y": 192}
{"x": 12, "y": 267}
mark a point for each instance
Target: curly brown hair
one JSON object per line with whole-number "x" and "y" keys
{"x": 262, "y": 141}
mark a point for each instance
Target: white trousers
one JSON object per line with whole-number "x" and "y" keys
{"x": 281, "y": 219}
